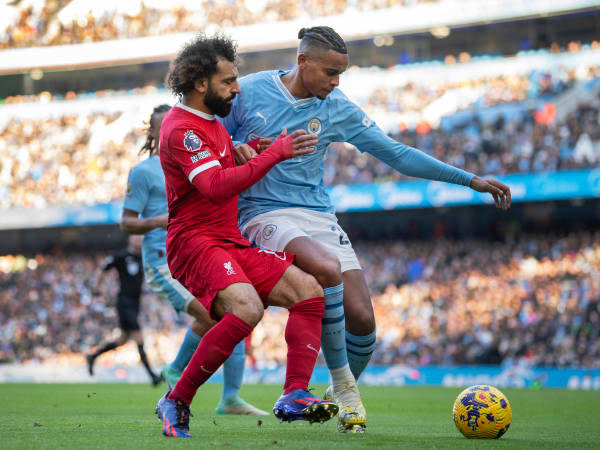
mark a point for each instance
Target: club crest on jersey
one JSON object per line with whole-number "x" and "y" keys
{"x": 191, "y": 141}
{"x": 269, "y": 231}
{"x": 228, "y": 267}
{"x": 314, "y": 126}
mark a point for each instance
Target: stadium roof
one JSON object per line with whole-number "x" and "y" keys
{"x": 352, "y": 25}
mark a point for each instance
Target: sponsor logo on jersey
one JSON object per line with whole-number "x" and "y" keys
{"x": 269, "y": 231}
{"x": 191, "y": 141}
{"x": 230, "y": 270}
{"x": 259, "y": 114}
{"x": 314, "y": 126}
{"x": 221, "y": 154}
{"x": 200, "y": 155}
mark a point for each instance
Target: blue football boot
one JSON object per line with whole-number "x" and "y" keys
{"x": 175, "y": 417}
{"x": 302, "y": 405}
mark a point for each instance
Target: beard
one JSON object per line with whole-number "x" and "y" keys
{"x": 218, "y": 105}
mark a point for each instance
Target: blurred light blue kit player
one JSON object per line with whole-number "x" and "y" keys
{"x": 289, "y": 209}
{"x": 145, "y": 212}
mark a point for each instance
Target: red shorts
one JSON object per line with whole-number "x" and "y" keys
{"x": 211, "y": 266}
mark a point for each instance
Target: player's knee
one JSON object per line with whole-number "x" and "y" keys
{"x": 305, "y": 286}
{"x": 250, "y": 311}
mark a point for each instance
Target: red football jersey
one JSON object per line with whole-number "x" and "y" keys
{"x": 192, "y": 143}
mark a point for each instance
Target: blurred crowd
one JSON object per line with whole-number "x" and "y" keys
{"x": 428, "y": 101}
{"x": 58, "y": 22}
{"x": 51, "y": 309}
{"x": 535, "y": 300}
{"x": 73, "y": 159}
{"x": 84, "y": 158}
{"x": 531, "y": 142}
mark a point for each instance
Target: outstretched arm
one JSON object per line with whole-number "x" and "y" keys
{"x": 415, "y": 163}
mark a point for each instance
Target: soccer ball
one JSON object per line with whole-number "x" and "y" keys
{"x": 482, "y": 412}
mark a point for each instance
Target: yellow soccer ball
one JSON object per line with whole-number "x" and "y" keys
{"x": 482, "y": 412}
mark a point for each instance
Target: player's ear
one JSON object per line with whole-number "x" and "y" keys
{"x": 302, "y": 59}
{"x": 201, "y": 85}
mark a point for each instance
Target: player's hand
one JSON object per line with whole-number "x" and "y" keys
{"x": 262, "y": 144}
{"x": 302, "y": 143}
{"x": 499, "y": 191}
{"x": 243, "y": 153}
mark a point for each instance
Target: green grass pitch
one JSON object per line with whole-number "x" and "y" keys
{"x": 121, "y": 416}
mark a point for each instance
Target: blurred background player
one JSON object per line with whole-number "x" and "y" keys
{"x": 205, "y": 249}
{"x": 145, "y": 212}
{"x": 128, "y": 264}
{"x": 302, "y": 220}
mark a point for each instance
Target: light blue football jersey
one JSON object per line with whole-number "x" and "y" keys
{"x": 146, "y": 195}
{"x": 265, "y": 106}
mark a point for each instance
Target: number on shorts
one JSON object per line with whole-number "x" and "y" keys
{"x": 343, "y": 237}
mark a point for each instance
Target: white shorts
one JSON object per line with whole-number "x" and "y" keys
{"x": 274, "y": 230}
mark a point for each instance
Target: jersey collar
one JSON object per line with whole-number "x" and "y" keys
{"x": 296, "y": 102}
{"x": 195, "y": 111}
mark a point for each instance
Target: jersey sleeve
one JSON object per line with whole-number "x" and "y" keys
{"x": 355, "y": 127}
{"x": 220, "y": 184}
{"x": 408, "y": 160}
{"x": 191, "y": 153}
{"x": 137, "y": 193}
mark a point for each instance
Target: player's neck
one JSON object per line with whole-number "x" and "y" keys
{"x": 195, "y": 101}
{"x": 293, "y": 84}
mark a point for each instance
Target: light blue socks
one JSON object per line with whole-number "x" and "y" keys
{"x": 333, "y": 335}
{"x": 360, "y": 349}
{"x": 233, "y": 372}
{"x": 186, "y": 350}
{"x": 233, "y": 368}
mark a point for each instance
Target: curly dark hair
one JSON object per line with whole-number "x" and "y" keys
{"x": 198, "y": 59}
{"x": 150, "y": 144}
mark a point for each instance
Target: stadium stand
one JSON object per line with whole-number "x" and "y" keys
{"x": 505, "y": 103}
{"x": 78, "y": 150}
{"x": 55, "y": 22}
{"x": 535, "y": 300}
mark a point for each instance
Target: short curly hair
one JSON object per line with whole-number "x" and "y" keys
{"x": 198, "y": 59}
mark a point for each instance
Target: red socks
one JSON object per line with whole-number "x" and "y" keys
{"x": 303, "y": 337}
{"x": 302, "y": 334}
{"x": 214, "y": 348}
